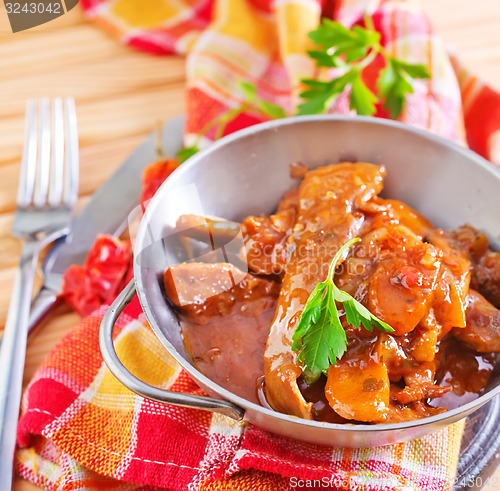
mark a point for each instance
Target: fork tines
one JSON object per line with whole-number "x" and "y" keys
{"x": 49, "y": 167}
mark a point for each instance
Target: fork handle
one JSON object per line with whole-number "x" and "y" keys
{"x": 43, "y": 303}
{"x": 12, "y": 356}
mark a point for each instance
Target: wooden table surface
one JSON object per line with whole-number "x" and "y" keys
{"x": 120, "y": 94}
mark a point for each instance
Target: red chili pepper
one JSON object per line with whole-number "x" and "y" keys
{"x": 153, "y": 177}
{"x": 106, "y": 270}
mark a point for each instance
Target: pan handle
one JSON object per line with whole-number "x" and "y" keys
{"x": 138, "y": 386}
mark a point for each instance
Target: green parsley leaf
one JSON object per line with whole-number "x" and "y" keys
{"x": 362, "y": 99}
{"x": 413, "y": 70}
{"x": 395, "y": 82}
{"x": 323, "y": 58}
{"x": 352, "y": 51}
{"x": 356, "y": 54}
{"x": 321, "y": 95}
{"x": 268, "y": 108}
{"x": 184, "y": 153}
{"x": 319, "y": 336}
{"x": 337, "y": 39}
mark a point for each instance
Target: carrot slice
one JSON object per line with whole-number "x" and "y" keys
{"x": 358, "y": 388}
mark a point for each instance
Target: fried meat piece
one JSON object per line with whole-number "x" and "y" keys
{"x": 485, "y": 270}
{"x": 327, "y": 216}
{"x": 202, "y": 290}
{"x": 482, "y": 330}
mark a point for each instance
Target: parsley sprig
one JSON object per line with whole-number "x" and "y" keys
{"x": 319, "y": 336}
{"x": 352, "y": 51}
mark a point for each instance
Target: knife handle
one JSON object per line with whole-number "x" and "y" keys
{"x": 41, "y": 305}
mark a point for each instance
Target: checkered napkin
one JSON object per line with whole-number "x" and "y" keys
{"x": 80, "y": 429}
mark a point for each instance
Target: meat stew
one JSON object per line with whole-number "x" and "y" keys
{"x": 437, "y": 289}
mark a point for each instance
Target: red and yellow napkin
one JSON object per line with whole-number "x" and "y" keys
{"x": 80, "y": 429}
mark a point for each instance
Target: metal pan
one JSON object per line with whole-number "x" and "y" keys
{"x": 247, "y": 173}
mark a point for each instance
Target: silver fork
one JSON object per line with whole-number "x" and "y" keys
{"x": 48, "y": 189}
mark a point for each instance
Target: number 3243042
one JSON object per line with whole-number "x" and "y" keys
{"x": 33, "y": 8}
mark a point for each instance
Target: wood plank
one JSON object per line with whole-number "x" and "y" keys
{"x": 472, "y": 31}
{"x": 110, "y": 116}
{"x": 22, "y": 485}
{"x": 53, "y": 50}
{"x": 131, "y": 114}
{"x": 106, "y": 76}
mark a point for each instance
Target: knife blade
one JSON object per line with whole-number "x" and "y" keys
{"x": 105, "y": 213}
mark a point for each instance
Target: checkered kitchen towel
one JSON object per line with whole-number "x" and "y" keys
{"x": 80, "y": 424}
{"x": 80, "y": 428}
